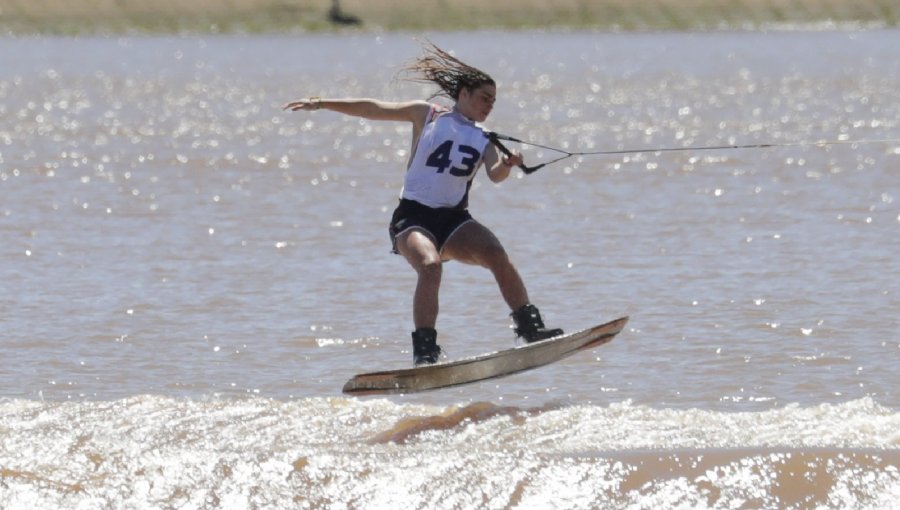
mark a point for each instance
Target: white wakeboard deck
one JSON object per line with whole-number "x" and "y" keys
{"x": 486, "y": 366}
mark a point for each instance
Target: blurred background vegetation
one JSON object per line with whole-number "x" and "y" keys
{"x": 19, "y": 17}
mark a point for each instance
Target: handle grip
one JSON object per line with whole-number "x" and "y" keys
{"x": 495, "y": 139}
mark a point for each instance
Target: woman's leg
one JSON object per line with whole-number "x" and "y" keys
{"x": 473, "y": 243}
{"x": 419, "y": 250}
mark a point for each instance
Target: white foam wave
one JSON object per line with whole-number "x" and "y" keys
{"x": 151, "y": 452}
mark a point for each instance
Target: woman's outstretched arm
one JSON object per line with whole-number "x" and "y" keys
{"x": 374, "y": 109}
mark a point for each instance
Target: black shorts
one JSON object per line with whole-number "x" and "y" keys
{"x": 440, "y": 223}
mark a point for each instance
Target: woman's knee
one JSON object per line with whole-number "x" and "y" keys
{"x": 427, "y": 263}
{"x": 430, "y": 267}
{"x": 420, "y": 251}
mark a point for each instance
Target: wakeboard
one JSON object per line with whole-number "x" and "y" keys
{"x": 486, "y": 366}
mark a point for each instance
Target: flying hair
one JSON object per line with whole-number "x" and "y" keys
{"x": 449, "y": 73}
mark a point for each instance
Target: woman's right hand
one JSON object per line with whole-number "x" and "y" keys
{"x": 313, "y": 103}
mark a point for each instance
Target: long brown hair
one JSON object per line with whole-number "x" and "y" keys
{"x": 446, "y": 71}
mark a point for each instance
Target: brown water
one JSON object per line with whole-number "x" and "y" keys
{"x": 171, "y": 242}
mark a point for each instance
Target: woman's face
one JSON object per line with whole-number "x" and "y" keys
{"x": 477, "y": 103}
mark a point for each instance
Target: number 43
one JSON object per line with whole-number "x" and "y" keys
{"x": 441, "y": 160}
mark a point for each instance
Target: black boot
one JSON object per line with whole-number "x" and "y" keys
{"x": 529, "y": 325}
{"x": 426, "y": 351}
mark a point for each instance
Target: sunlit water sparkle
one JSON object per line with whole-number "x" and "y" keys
{"x": 190, "y": 274}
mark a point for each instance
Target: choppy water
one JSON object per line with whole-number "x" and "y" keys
{"x": 188, "y": 275}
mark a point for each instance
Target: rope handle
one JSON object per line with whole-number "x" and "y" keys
{"x": 495, "y": 139}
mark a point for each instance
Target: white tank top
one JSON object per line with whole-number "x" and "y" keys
{"x": 448, "y": 153}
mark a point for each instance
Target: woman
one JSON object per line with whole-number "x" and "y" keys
{"x": 432, "y": 223}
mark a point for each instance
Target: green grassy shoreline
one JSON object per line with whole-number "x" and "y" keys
{"x": 84, "y": 17}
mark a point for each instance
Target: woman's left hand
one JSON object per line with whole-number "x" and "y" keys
{"x": 515, "y": 159}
